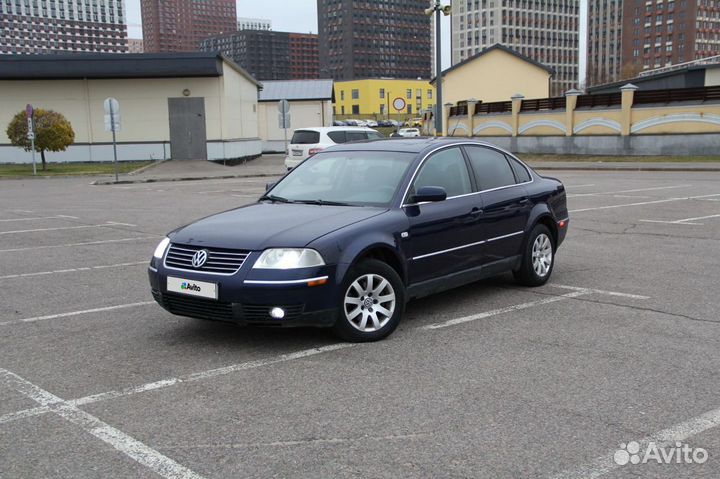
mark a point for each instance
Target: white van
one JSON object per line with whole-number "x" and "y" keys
{"x": 306, "y": 142}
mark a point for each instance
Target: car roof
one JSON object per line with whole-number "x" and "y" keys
{"x": 418, "y": 144}
{"x": 326, "y": 129}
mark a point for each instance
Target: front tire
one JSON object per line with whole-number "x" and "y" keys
{"x": 372, "y": 302}
{"x": 538, "y": 258}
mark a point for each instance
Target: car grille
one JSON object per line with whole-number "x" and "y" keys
{"x": 221, "y": 261}
{"x": 262, "y": 313}
{"x": 196, "y": 307}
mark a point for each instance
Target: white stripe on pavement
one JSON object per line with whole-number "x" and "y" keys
{"x": 136, "y": 450}
{"x": 509, "y": 309}
{"x": 37, "y": 230}
{"x": 667, "y": 437}
{"x": 56, "y": 217}
{"x": 74, "y": 313}
{"x": 600, "y": 291}
{"x": 73, "y": 270}
{"x": 667, "y": 200}
{"x": 632, "y": 191}
{"x": 72, "y": 245}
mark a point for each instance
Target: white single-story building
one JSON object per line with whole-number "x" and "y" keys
{"x": 181, "y": 105}
{"x": 310, "y": 105}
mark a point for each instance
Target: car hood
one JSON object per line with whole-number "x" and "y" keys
{"x": 263, "y": 225}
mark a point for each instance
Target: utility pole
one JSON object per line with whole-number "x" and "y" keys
{"x": 438, "y": 10}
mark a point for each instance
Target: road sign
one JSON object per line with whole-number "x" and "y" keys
{"x": 113, "y": 122}
{"x": 284, "y": 106}
{"x": 399, "y": 104}
{"x": 30, "y": 130}
{"x": 112, "y": 115}
{"x": 111, "y": 105}
{"x": 284, "y": 120}
{"x": 29, "y": 112}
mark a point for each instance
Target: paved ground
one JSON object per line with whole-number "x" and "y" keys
{"x": 490, "y": 380}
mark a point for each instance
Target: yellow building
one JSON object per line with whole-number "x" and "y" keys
{"x": 496, "y": 74}
{"x": 376, "y": 96}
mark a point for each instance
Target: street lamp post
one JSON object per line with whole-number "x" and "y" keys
{"x": 438, "y": 10}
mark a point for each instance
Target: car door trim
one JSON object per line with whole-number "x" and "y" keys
{"x": 483, "y": 145}
{"x": 477, "y": 243}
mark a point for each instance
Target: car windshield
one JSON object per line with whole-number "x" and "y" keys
{"x": 357, "y": 178}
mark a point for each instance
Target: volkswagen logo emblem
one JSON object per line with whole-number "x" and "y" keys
{"x": 199, "y": 258}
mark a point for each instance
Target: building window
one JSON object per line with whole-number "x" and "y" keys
{"x": 382, "y": 108}
{"x": 342, "y": 110}
{"x": 342, "y": 95}
{"x": 409, "y": 109}
{"x": 355, "y": 94}
{"x": 382, "y": 93}
{"x": 356, "y": 109}
{"x": 408, "y": 94}
{"x": 429, "y": 95}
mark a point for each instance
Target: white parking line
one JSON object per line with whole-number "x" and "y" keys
{"x": 74, "y": 313}
{"x": 136, "y": 450}
{"x": 37, "y": 230}
{"x": 667, "y": 200}
{"x": 72, "y": 245}
{"x": 667, "y": 437}
{"x": 599, "y": 291}
{"x": 211, "y": 373}
{"x": 579, "y": 186}
{"x": 73, "y": 270}
{"x": 686, "y": 221}
{"x": 508, "y": 309}
{"x": 56, "y": 217}
{"x": 632, "y": 191}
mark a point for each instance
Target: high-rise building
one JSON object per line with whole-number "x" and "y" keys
{"x": 659, "y": 33}
{"x": 270, "y": 55}
{"x": 135, "y": 45}
{"x": 381, "y": 38}
{"x": 543, "y": 30}
{"x": 254, "y": 24}
{"x": 180, "y": 25}
{"x": 604, "y": 41}
{"x": 63, "y": 26}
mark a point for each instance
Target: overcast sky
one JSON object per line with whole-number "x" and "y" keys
{"x": 301, "y": 16}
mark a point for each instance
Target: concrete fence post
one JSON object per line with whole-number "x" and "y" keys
{"x": 516, "y": 105}
{"x": 570, "y": 104}
{"x": 471, "y": 115}
{"x": 446, "y": 123}
{"x": 628, "y": 95}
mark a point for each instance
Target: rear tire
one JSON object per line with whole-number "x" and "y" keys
{"x": 372, "y": 302}
{"x": 538, "y": 258}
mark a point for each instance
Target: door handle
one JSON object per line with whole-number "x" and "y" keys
{"x": 476, "y": 211}
{"x": 524, "y": 201}
{"x": 472, "y": 216}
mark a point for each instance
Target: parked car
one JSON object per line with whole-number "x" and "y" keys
{"x": 409, "y": 132}
{"x": 385, "y": 123}
{"x": 371, "y": 123}
{"x": 339, "y": 123}
{"x": 306, "y": 142}
{"x": 349, "y": 236}
{"x": 414, "y": 122}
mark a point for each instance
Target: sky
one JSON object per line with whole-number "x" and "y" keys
{"x": 301, "y": 16}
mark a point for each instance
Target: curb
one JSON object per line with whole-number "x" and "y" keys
{"x": 191, "y": 178}
{"x": 146, "y": 167}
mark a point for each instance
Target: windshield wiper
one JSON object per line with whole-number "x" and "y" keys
{"x": 273, "y": 198}
{"x": 324, "y": 203}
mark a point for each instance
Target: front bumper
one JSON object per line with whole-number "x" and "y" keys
{"x": 247, "y": 297}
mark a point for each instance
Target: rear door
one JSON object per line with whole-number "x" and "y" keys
{"x": 441, "y": 238}
{"x": 506, "y": 206}
{"x": 301, "y": 143}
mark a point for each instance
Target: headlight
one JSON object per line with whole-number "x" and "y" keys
{"x": 160, "y": 250}
{"x": 288, "y": 258}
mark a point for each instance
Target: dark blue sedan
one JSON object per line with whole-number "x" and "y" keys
{"x": 350, "y": 235}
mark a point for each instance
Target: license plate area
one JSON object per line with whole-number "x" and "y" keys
{"x": 190, "y": 287}
{"x": 297, "y": 152}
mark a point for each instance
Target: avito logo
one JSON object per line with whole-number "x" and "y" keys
{"x": 190, "y": 287}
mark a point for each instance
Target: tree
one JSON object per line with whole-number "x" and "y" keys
{"x": 53, "y": 132}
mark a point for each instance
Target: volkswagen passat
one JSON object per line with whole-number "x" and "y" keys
{"x": 349, "y": 236}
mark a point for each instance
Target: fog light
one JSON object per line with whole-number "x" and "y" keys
{"x": 277, "y": 313}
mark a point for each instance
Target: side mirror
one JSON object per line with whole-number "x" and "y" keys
{"x": 429, "y": 194}
{"x": 268, "y": 186}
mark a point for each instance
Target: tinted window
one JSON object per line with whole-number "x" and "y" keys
{"x": 491, "y": 168}
{"x": 374, "y": 135}
{"x": 446, "y": 168}
{"x": 337, "y": 136}
{"x": 356, "y": 135}
{"x": 521, "y": 173}
{"x": 305, "y": 137}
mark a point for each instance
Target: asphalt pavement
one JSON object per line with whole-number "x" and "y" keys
{"x": 491, "y": 380}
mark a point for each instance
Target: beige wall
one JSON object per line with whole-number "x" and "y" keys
{"x": 712, "y": 77}
{"x": 495, "y": 76}
{"x": 303, "y": 114}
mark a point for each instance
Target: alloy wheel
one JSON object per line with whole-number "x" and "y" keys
{"x": 542, "y": 255}
{"x": 369, "y": 303}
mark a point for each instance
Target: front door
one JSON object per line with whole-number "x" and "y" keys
{"x": 187, "y": 128}
{"x": 441, "y": 237}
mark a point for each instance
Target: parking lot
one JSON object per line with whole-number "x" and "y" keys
{"x": 490, "y": 380}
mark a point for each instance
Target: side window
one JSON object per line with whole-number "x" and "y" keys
{"x": 492, "y": 169}
{"x": 521, "y": 173}
{"x": 337, "y": 136}
{"x": 356, "y": 135}
{"x": 447, "y": 169}
{"x": 374, "y": 135}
